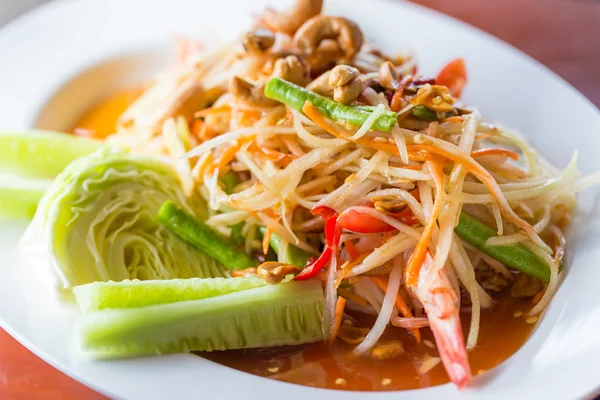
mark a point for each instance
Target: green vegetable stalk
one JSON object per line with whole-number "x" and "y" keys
{"x": 295, "y": 96}
{"x": 424, "y": 113}
{"x": 28, "y": 162}
{"x": 203, "y": 237}
{"x": 294, "y": 255}
{"x": 243, "y": 317}
{"x": 41, "y": 154}
{"x": 514, "y": 256}
{"x": 99, "y": 296}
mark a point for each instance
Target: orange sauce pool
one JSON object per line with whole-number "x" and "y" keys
{"x": 101, "y": 120}
{"x": 319, "y": 365}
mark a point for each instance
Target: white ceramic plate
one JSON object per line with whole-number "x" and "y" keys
{"x": 60, "y": 58}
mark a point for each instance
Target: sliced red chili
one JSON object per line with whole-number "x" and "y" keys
{"x": 333, "y": 233}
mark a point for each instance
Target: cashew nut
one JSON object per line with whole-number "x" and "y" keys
{"x": 289, "y": 21}
{"x": 248, "y": 93}
{"x": 346, "y": 33}
{"x": 273, "y": 272}
{"x": 434, "y": 97}
{"x": 292, "y": 69}
{"x": 258, "y": 41}
{"x": 342, "y": 83}
{"x": 388, "y": 77}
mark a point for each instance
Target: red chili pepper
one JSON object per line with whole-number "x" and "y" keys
{"x": 317, "y": 265}
{"x": 333, "y": 233}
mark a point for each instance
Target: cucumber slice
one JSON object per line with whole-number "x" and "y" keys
{"x": 134, "y": 294}
{"x": 19, "y": 197}
{"x": 43, "y": 154}
{"x": 274, "y": 315}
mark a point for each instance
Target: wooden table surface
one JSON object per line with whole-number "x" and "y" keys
{"x": 562, "y": 34}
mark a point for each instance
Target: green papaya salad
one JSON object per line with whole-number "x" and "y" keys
{"x": 298, "y": 189}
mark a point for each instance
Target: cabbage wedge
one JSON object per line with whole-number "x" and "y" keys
{"x": 97, "y": 222}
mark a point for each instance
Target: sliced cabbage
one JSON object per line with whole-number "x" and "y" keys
{"x": 97, "y": 222}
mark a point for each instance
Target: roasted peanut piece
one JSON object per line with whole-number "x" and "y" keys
{"x": 388, "y": 203}
{"x": 388, "y": 77}
{"x": 291, "y": 69}
{"x": 434, "y": 97}
{"x": 387, "y": 350}
{"x": 258, "y": 41}
{"x": 248, "y": 93}
{"x": 273, "y": 272}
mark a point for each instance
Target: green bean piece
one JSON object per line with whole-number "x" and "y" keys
{"x": 295, "y": 255}
{"x": 514, "y": 256}
{"x": 424, "y": 113}
{"x": 236, "y": 234}
{"x": 228, "y": 181}
{"x": 295, "y": 96}
{"x": 203, "y": 237}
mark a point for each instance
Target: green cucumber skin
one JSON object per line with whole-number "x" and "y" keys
{"x": 274, "y": 315}
{"x": 203, "y": 237}
{"x": 42, "y": 154}
{"x": 98, "y": 296}
{"x": 295, "y": 96}
{"x": 21, "y": 202}
{"x": 514, "y": 256}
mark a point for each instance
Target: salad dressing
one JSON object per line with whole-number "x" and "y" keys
{"x": 501, "y": 335}
{"x": 101, "y": 120}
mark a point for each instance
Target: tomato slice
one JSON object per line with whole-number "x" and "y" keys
{"x": 453, "y": 76}
{"x": 356, "y": 221}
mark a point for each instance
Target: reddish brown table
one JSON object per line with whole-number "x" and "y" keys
{"x": 562, "y": 34}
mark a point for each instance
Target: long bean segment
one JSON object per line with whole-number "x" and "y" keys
{"x": 514, "y": 256}
{"x": 203, "y": 237}
{"x": 295, "y": 96}
{"x": 294, "y": 255}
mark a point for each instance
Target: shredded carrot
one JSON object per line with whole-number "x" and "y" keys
{"x": 212, "y": 110}
{"x": 272, "y": 154}
{"x": 424, "y": 152}
{"x": 228, "y": 155}
{"x": 293, "y": 147}
{"x": 196, "y": 127}
{"x": 401, "y": 305}
{"x": 266, "y": 240}
{"x": 493, "y": 152}
{"x": 242, "y": 272}
{"x": 337, "y": 321}
{"x": 352, "y": 250}
{"x": 454, "y": 119}
{"x": 313, "y": 113}
{"x": 350, "y": 295}
{"x": 418, "y": 256}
